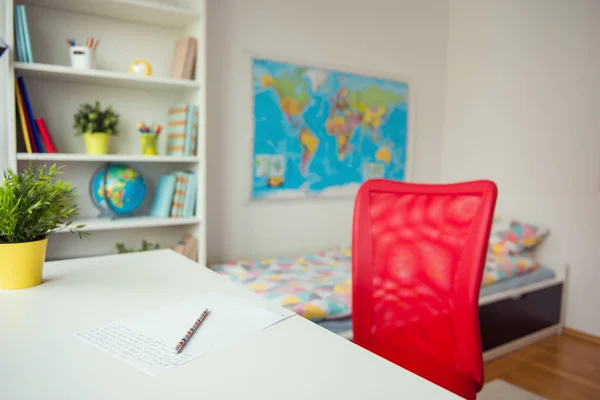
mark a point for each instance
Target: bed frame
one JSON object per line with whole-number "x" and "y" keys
{"x": 517, "y": 318}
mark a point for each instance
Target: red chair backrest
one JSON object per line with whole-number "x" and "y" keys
{"x": 418, "y": 253}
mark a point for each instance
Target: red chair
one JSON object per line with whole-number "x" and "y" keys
{"x": 418, "y": 253}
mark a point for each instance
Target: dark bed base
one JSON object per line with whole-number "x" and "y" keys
{"x": 507, "y": 320}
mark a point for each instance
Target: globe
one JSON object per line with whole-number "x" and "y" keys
{"x": 117, "y": 189}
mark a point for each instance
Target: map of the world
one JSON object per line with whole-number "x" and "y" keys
{"x": 318, "y": 131}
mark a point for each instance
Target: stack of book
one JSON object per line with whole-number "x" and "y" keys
{"x": 36, "y": 135}
{"x": 24, "y": 53}
{"x": 182, "y": 130}
{"x": 175, "y": 195}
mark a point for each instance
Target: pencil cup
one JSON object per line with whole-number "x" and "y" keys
{"x": 82, "y": 57}
{"x": 149, "y": 144}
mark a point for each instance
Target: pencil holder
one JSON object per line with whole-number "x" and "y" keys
{"x": 149, "y": 143}
{"x": 82, "y": 57}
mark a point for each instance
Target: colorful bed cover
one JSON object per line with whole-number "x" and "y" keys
{"x": 318, "y": 286}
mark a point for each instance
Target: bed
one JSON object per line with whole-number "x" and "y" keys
{"x": 519, "y": 297}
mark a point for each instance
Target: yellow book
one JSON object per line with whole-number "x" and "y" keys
{"x": 22, "y": 118}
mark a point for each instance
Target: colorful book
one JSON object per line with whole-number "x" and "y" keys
{"x": 23, "y": 120}
{"x": 163, "y": 198}
{"x": 30, "y": 118}
{"x": 34, "y": 145}
{"x": 189, "y": 203}
{"x": 195, "y": 132}
{"x": 179, "y": 195}
{"x": 26, "y": 37}
{"x": 46, "y": 137}
{"x": 189, "y": 130}
{"x": 176, "y": 125}
{"x": 19, "y": 37}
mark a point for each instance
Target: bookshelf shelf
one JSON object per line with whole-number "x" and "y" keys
{"x": 138, "y": 11}
{"x": 105, "y": 224}
{"x": 101, "y": 77}
{"x": 64, "y": 157}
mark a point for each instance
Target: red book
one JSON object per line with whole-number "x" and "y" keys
{"x": 46, "y": 138}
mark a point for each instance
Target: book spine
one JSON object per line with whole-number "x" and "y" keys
{"x": 181, "y": 194}
{"x": 21, "y": 55}
{"x": 164, "y": 196}
{"x": 189, "y": 130}
{"x": 34, "y": 143}
{"x": 30, "y": 117}
{"x": 176, "y": 125}
{"x": 22, "y": 118}
{"x": 26, "y": 38}
{"x": 190, "y": 195}
{"x": 195, "y": 131}
{"x": 178, "y": 198}
{"x": 46, "y": 138}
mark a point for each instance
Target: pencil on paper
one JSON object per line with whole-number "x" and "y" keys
{"x": 190, "y": 331}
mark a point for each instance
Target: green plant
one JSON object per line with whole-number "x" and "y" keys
{"x": 93, "y": 119}
{"x": 35, "y": 203}
{"x": 146, "y": 246}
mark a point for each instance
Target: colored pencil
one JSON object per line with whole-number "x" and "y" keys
{"x": 190, "y": 331}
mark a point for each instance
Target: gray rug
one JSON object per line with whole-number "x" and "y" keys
{"x": 502, "y": 390}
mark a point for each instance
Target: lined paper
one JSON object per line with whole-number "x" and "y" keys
{"x": 146, "y": 340}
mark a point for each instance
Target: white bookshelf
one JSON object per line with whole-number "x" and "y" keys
{"x": 137, "y": 11}
{"x": 68, "y": 157}
{"x": 128, "y": 30}
{"x": 63, "y": 73}
{"x": 107, "y": 224}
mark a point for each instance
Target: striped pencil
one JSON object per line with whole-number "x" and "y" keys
{"x": 190, "y": 331}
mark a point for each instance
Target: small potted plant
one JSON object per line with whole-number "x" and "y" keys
{"x": 33, "y": 205}
{"x": 97, "y": 126}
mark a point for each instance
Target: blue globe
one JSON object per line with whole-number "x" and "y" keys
{"x": 117, "y": 189}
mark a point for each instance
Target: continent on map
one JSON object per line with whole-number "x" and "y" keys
{"x": 383, "y": 154}
{"x": 309, "y": 143}
{"x": 293, "y": 98}
{"x": 291, "y": 90}
{"x": 349, "y": 109}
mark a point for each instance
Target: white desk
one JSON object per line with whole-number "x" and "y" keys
{"x": 295, "y": 359}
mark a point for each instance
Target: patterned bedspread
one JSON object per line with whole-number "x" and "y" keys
{"x": 318, "y": 286}
{"x": 315, "y": 286}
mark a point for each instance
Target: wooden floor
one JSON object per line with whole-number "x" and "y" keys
{"x": 558, "y": 367}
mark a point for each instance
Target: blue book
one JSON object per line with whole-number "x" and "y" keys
{"x": 36, "y": 133}
{"x": 189, "y": 128}
{"x": 164, "y": 196}
{"x": 25, "y": 29}
{"x": 189, "y": 204}
{"x": 21, "y": 54}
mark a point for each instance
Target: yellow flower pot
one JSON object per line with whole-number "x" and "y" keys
{"x": 96, "y": 143}
{"x": 21, "y": 264}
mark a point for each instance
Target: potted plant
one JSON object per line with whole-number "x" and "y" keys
{"x": 97, "y": 126}
{"x": 33, "y": 205}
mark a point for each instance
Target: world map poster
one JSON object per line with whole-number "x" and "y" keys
{"x": 318, "y": 131}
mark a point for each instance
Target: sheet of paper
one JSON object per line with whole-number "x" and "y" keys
{"x": 146, "y": 340}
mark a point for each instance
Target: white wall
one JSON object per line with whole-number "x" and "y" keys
{"x": 404, "y": 38}
{"x": 523, "y": 108}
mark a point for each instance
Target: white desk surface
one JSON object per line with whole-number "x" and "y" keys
{"x": 295, "y": 359}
